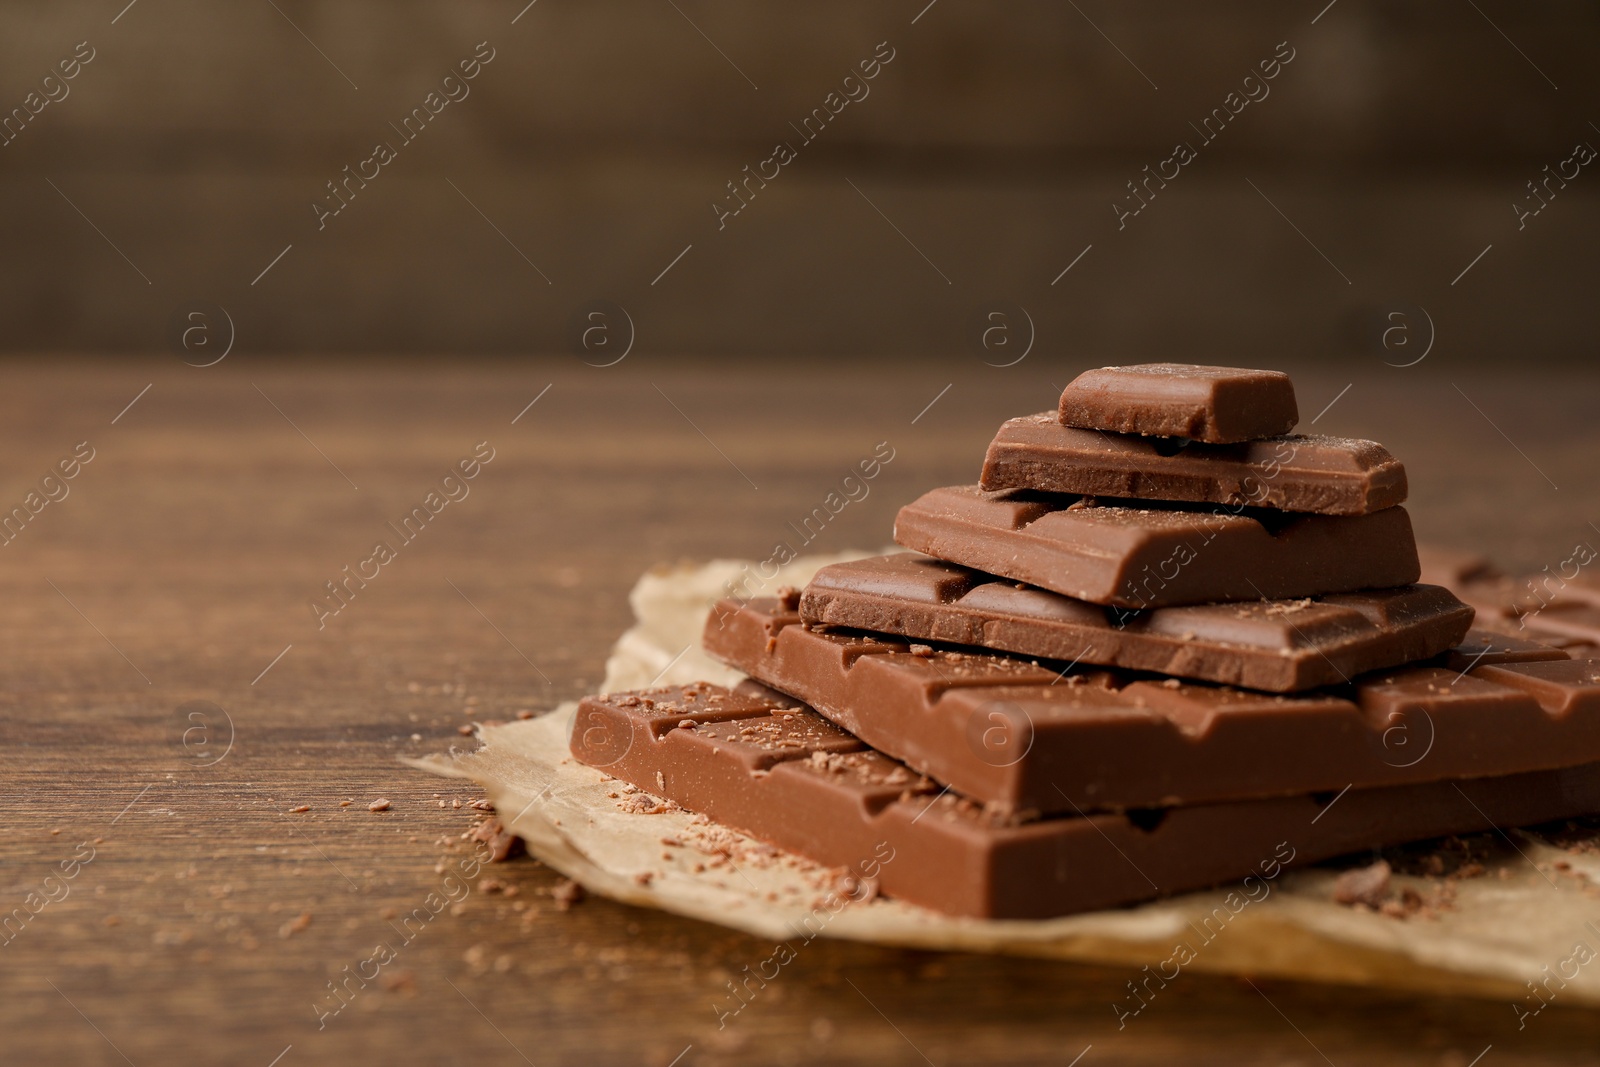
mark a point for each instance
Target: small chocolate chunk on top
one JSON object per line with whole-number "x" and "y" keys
{"x": 1214, "y": 404}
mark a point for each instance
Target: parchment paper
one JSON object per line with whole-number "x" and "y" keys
{"x": 1541, "y": 918}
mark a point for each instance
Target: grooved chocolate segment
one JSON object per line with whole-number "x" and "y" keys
{"x": 1557, "y": 685}
{"x": 1277, "y": 645}
{"x": 701, "y": 703}
{"x": 1483, "y": 648}
{"x": 1329, "y": 475}
{"x": 864, "y": 811}
{"x": 1216, "y": 404}
{"x": 1561, "y": 605}
{"x": 1136, "y": 557}
{"x": 1007, "y": 731}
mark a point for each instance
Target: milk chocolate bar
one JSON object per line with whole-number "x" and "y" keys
{"x": 1297, "y": 472}
{"x": 1139, "y": 557}
{"x": 1030, "y": 735}
{"x": 785, "y": 775}
{"x": 1277, "y": 645}
{"x": 1216, "y": 404}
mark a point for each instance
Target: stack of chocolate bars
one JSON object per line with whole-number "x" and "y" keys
{"x": 1166, "y": 643}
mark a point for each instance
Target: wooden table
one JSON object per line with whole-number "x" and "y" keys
{"x": 181, "y": 567}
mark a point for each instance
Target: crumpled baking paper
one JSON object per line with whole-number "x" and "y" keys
{"x": 1529, "y": 937}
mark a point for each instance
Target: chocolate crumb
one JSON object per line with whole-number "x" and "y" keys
{"x": 503, "y": 844}
{"x": 295, "y": 925}
{"x": 1368, "y": 886}
{"x": 566, "y": 893}
{"x": 404, "y": 982}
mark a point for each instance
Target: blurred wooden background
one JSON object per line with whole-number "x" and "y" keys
{"x": 187, "y": 155}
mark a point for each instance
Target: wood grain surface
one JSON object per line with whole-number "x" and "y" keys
{"x": 180, "y": 567}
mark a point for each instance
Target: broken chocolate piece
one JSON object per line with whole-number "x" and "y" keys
{"x": 1136, "y": 557}
{"x": 1216, "y": 404}
{"x": 899, "y": 833}
{"x": 1031, "y": 735}
{"x": 1277, "y": 645}
{"x": 1328, "y": 475}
